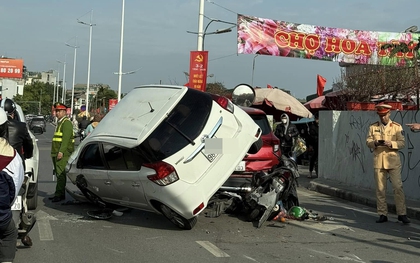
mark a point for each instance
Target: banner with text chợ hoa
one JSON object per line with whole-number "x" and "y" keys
{"x": 198, "y": 70}
{"x": 286, "y": 39}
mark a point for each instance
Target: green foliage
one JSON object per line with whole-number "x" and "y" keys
{"x": 35, "y": 95}
{"x": 102, "y": 97}
{"x": 218, "y": 88}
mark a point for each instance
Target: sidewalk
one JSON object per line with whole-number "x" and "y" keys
{"x": 353, "y": 194}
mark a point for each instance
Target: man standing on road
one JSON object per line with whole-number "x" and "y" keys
{"x": 386, "y": 137}
{"x": 61, "y": 149}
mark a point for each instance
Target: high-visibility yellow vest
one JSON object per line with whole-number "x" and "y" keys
{"x": 58, "y": 145}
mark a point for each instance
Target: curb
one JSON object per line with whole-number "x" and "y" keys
{"x": 357, "y": 198}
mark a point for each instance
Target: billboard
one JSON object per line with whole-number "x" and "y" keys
{"x": 11, "y": 68}
{"x": 286, "y": 39}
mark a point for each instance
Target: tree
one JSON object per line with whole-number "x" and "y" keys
{"x": 36, "y": 98}
{"x": 218, "y": 88}
{"x": 101, "y": 99}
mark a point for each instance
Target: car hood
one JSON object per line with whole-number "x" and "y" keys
{"x": 131, "y": 121}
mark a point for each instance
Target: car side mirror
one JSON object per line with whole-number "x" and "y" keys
{"x": 243, "y": 95}
{"x": 37, "y": 130}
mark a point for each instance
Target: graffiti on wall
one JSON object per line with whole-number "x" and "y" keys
{"x": 357, "y": 151}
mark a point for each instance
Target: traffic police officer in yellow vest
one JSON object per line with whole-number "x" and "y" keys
{"x": 386, "y": 137}
{"x": 61, "y": 149}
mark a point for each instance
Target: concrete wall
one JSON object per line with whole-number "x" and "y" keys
{"x": 344, "y": 156}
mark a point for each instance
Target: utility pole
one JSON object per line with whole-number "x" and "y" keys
{"x": 200, "y": 35}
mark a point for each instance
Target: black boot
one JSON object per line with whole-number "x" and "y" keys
{"x": 404, "y": 219}
{"x": 382, "y": 219}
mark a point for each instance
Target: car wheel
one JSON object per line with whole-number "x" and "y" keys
{"x": 179, "y": 221}
{"x": 32, "y": 202}
{"x": 256, "y": 146}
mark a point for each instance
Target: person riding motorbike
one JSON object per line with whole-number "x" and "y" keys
{"x": 83, "y": 124}
{"x": 18, "y": 134}
{"x": 285, "y": 131}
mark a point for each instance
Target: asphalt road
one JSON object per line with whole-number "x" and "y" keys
{"x": 64, "y": 233}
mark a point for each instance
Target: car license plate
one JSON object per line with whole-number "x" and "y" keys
{"x": 17, "y": 205}
{"x": 240, "y": 167}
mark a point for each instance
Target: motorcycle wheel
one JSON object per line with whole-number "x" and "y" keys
{"x": 253, "y": 215}
{"x": 32, "y": 202}
{"x": 179, "y": 221}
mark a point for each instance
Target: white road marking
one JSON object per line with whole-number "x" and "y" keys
{"x": 250, "y": 258}
{"x": 44, "y": 227}
{"x": 355, "y": 258}
{"x": 217, "y": 252}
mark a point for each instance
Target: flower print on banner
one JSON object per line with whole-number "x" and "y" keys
{"x": 257, "y": 37}
{"x": 282, "y": 38}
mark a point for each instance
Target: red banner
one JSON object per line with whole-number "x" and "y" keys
{"x": 198, "y": 70}
{"x": 11, "y": 68}
{"x": 112, "y": 103}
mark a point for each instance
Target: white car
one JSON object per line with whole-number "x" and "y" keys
{"x": 31, "y": 166}
{"x": 165, "y": 149}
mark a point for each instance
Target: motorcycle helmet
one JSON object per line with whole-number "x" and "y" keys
{"x": 298, "y": 213}
{"x": 8, "y": 105}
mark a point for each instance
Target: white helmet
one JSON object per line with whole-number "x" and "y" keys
{"x": 3, "y": 116}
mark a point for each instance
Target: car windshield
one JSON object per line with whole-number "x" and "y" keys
{"x": 261, "y": 120}
{"x": 182, "y": 126}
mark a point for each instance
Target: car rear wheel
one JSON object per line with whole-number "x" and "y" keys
{"x": 179, "y": 221}
{"x": 32, "y": 202}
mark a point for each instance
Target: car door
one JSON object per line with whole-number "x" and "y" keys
{"x": 124, "y": 175}
{"x": 92, "y": 167}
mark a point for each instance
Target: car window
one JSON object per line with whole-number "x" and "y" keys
{"x": 261, "y": 120}
{"x": 91, "y": 157}
{"x": 119, "y": 158}
{"x": 184, "y": 123}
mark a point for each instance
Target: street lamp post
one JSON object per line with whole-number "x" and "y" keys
{"x": 218, "y": 31}
{"x": 253, "y": 68}
{"x": 74, "y": 74}
{"x": 89, "y": 56}
{"x": 121, "y": 51}
{"x": 64, "y": 79}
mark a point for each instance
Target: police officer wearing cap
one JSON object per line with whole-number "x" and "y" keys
{"x": 61, "y": 149}
{"x": 386, "y": 137}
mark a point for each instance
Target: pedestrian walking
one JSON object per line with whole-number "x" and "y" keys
{"x": 386, "y": 137}
{"x": 61, "y": 149}
{"x": 92, "y": 126}
{"x": 286, "y": 131}
{"x": 313, "y": 146}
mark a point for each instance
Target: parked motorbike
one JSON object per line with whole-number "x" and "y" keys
{"x": 24, "y": 219}
{"x": 270, "y": 191}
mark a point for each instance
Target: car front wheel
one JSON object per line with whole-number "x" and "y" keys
{"x": 179, "y": 221}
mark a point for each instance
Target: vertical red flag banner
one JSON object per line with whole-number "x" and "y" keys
{"x": 269, "y": 86}
{"x": 112, "y": 103}
{"x": 320, "y": 84}
{"x": 198, "y": 70}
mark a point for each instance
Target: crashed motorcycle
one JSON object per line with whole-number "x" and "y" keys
{"x": 24, "y": 219}
{"x": 268, "y": 193}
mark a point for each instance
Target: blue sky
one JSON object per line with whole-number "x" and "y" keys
{"x": 155, "y": 38}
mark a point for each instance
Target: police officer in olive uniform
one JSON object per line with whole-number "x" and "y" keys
{"x": 61, "y": 149}
{"x": 386, "y": 137}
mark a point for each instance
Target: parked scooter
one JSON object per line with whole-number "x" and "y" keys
{"x": 269, "y": 192}
{"x": 24, "y": 219}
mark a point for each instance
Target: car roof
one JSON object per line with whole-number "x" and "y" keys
{"x": 137, "y": 114}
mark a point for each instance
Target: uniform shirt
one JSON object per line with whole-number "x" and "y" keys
{"x": 385, "y": 157}
{"x": 63, "y": 140}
